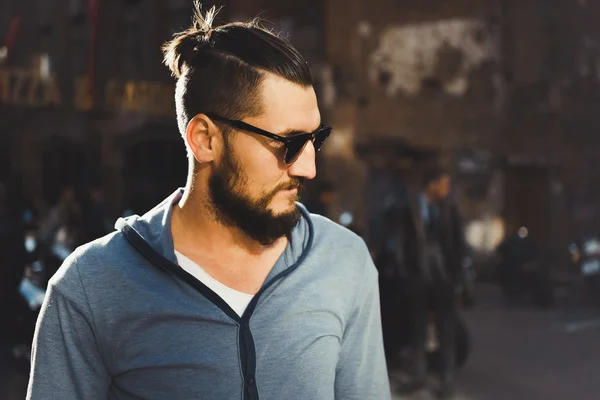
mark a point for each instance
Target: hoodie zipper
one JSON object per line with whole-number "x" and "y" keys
{"x": 246, "y": 340}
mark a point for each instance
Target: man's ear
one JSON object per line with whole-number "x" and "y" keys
{"x": 200, "y": 137}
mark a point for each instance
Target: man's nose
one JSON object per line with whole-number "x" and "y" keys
{"x": 305, "y": 166}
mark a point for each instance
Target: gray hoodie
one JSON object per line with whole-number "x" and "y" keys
{"x": 121, "y": 320}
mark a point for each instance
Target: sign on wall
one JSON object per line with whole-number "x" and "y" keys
{"x": 27, "y": 88}
{"x": 23, "y": 87}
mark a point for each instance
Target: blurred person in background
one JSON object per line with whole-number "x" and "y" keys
{"x": 66, "y": 212}
{"x": 228, "y": 288}
{"x": 17, "y": 216}
{"x": 432, "y": 246}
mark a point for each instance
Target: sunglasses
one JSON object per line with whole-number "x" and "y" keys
{"x": 294, "y": 144}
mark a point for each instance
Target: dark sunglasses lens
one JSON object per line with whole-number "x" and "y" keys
{"x": 294, "y": 148}
{"x": 320, "y": 138}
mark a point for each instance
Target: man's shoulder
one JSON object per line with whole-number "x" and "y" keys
{"x": 93, "y": 261}
{"x": 345, "y": 246}
{"x": 342, "y": 255}
{"x": 324, "y": 228}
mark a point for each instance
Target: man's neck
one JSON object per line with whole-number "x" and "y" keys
{"x": 196, "y": 231}
{"x": 224, "y": 252}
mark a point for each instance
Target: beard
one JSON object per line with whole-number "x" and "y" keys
{"x": 233, "y": 207}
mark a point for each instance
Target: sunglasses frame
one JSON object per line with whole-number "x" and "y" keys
{"x": 286, "y": 140}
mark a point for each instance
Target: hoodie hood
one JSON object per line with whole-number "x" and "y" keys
{"x": 155, "y": 228}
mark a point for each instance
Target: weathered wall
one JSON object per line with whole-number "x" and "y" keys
{"x": 517, "y": 79}
{"x": 429, "y": 74}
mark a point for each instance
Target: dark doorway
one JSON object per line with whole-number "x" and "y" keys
{"x": 152, "y": 171}
{"x": 64, "y": 164}
{"x": 528, "y": 202}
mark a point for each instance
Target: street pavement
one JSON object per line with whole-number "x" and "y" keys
{"x": 529, "y": 354}
{"x": 519, "y": 353}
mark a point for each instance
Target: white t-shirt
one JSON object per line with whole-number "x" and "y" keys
{"x": 238, "y": 301}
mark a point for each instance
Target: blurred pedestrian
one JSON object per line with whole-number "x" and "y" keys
{"x": 433, "y": 249}
{"x": 67, "y": 211}
{"x": 227, "y": 289}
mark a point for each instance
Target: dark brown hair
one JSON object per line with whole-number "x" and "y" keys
{"x": 433, "y": 173}
{"x": 220, "y": 70}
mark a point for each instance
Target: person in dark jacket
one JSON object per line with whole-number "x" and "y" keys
{"x": 432, "y": 247}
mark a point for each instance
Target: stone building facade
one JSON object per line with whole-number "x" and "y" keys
{"x": 502, "y": 92}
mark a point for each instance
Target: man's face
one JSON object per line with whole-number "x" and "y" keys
{"x": 440, "y": 188}
{"x": 250, "y": 186}
{"x": 444, "y": 187}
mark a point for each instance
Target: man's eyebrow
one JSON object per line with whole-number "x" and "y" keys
{"x": 292, "y": 131}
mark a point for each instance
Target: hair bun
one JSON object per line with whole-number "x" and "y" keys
{"x": 187, "y": 44}
{"x": 204, "y": 22}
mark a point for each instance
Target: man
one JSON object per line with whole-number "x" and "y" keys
{"x": 432, "y": 251}
{"x": 228, "y": 289}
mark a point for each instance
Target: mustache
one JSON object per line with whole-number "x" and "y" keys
{"x": 294, "y": 183}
